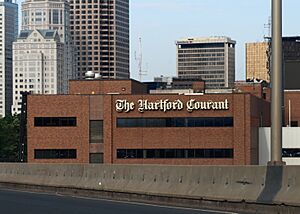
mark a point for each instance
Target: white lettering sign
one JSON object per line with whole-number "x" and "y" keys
{"x": 167, "y": 105}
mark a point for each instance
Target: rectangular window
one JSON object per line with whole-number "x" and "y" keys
{"x": 96, "y": 131}
{"x": 96, "y": 157}
{"x": 294, "y": 123}
{"x": 54, "y": 121}
{"x": 55, "y": 154}
{"x": 174, "y": 153}
{"x": 291, "y": 153}
{"x": 175, "y": 122}
{"x": 55, "y": 16}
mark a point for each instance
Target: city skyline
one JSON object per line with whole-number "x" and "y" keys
{"x": 191, "y": 11}
{"x": 243, "y": 21}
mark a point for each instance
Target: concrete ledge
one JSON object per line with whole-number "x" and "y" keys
{"x": 271, "y": 187}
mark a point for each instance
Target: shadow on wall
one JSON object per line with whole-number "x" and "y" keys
{"x": 273, "y": 184}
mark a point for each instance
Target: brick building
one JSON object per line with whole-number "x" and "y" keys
{"x": 117, "y": 122}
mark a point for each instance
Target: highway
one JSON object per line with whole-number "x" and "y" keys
{"x": 16, "y": 202}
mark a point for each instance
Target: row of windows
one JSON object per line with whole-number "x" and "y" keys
{"x": 55, "y": 153}
{"x": 202, "y": 45}
{"x": 175, "y": 122}
{"x": 174, "y": 153}
{"x": 55, "y": 121}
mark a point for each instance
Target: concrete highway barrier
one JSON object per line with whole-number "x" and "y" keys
{"x": 260, "y": 185}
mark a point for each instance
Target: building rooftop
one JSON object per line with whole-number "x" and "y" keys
{"x": 217, "y": 39}
{"x": 47, "y": 34}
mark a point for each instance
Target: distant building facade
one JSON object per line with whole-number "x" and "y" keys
{"x": 211, "y": 59}
{"x": 53, "y": 15}
{"x": 8, "y": 33}
{"x": 258, "y": 61}
{"x": 100, "y": 30}
{"x": 38, "y": 64}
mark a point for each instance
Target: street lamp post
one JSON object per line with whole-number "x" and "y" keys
{"x": 276, "y": 81}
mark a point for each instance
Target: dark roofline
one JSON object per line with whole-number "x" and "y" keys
{"x": 132, "y": 80}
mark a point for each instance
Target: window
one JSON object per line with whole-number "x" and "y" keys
{"x": 291, "y": 153}
{"x": 175, "y": 122}
{"x": 55, "y": 154}
{"x": 294, "y": 123}
{"x": 96, "y": 131}
{"x": 96, "y": 157}
{"x": 54, "y": 121}
{"x": 174, "y": 153}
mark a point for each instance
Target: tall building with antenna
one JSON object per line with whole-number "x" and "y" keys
{"x": 100, "y": 30}
{"x": 8, "y": 33}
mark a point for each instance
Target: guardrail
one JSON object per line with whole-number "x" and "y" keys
{"x": 273, "y": 187}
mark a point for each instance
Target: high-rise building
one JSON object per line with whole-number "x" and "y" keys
{"x": 38, "y": 64}
{"x": 8, "y": 33}
{"x": 100, "y": 30}
{"x": 258, "y": 57}
{"x": 257, "y": 62}
{"x": 53, "y": 15}
{"x": 211, "y": 59}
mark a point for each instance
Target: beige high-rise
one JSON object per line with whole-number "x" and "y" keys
{"x": 258, "y": 57}
{"x": 52, "y": 15}
{"x": 212, "y": 59}
{"x": 257, "y": 63}
{"x": 100, "y": 31}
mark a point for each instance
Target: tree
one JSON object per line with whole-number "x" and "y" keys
{"x": 9, "y": 138}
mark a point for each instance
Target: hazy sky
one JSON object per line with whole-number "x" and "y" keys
{"x": 161, "y": 22}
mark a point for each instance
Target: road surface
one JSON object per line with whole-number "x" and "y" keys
{"x": 16, "y": 202}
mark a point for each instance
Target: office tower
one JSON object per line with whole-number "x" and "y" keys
{"x": 38, "y": 64}
{"x": 100, "y": 30}
{"x": 211, "y": 59}
{"x": 8, "y": 33}
{"x": 257, "y": 66}
{"x": 258, "y": 55}
{"x": 55, "y": 15}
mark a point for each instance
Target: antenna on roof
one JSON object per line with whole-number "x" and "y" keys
{"x": 268, "y": 27}
{"x": 139, "y": 60}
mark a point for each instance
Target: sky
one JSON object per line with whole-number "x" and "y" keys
{"x": 160, "y": 23}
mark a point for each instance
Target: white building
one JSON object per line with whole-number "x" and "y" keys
{"x": 55, "y": 15}
{"x": 211, "y": 59}
{"x": 8, "y": 33}
{"x": 37, "y": 64}
{"x": 290, "y": 145}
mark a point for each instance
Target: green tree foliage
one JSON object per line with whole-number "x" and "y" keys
{"x": 9, "y": 138}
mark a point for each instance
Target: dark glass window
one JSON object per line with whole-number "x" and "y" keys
{"x": 96, "y": 131}
{"x": 55, "y": 153}
{"x": 176, "y": 122}
{"x": 294, "y": 123}
{"x": 55, "y": 121}
{"x": 174, "y": 153}
{"x": 291, "y": 153}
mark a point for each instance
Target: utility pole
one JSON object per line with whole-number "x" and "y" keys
{"x": 276, "y": 81}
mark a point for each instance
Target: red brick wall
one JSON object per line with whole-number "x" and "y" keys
{"x": 244, "y": 108}
{"x": 294, "y": 97}
{"x": 106, "y": 86}
{"x": 238, "y": 137}
{"x": 59, "y": 137}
